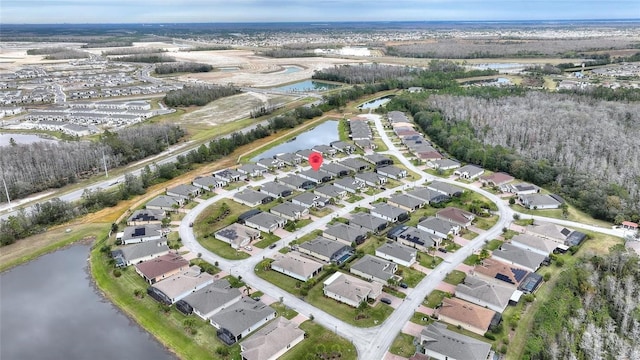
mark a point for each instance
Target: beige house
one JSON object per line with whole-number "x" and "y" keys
{"x": 296, "y": 266}
{"x": 272, "y": 341}
{"x": 474, "y": 318}
{"x": 350, "y": 290}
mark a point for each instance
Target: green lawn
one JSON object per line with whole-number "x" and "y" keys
{"x": 403, "y": 345}
{"x": 434, "y": 298}
{"x": 420, "y": 213}
{"x": 421, "y": 319}
{"x": 469, "y": 235}
{"x": 287, "y": 283}
{"x": 429, "y": 261}
{"x": 321, "y": 212}
{"x": 509, "y": 234}
{"x": 317, "y": 336}
{"x": 410, "y": 276}
{"x": 455, "y": 277}
{"x": 391, "y": 291}
{"x": 371, "y": 244}
{"x": 373, "y": 315}
{"x": 210, "y": 221}
{"x": 168, "y": 328}
{"x": 472, "y": 260}
{"x": 486, "y": 223}
{"x": 354, "y": 199}
{"x": 450, "y": 246}
{"x": 493, "y": 244}
{"x": 222, "y": 249}
{"x": 267, "y": 239}
{"x": 283, "y": 310}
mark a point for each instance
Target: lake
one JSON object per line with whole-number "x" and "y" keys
{"x": 50, "y": 310}
{"x": 322, "y": 134}
{"x": 306, "y": 86}
{"x": 5, "y": 138}
{"x": 374, "y": 104}
{"x": 290, "y": 69}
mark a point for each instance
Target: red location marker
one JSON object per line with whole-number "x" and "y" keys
{"x": 315, "y": 160}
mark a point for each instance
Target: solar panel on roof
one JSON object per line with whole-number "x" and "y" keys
{"x": 139, "y": 232}
{"x": 519, "y": 274}
{"x": 504, "y": 278}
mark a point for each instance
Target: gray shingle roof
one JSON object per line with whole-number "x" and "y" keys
{"x": 367, "y": 221}
{"x": 137, "y": 251}
{"x": 344, "y": 231}
{"x": 397, "y": 250}
{"x": 435, "y": 337}
{"x": 323, "y": 246}
{"x": 378, "y": 268}
{"x": 242, "y": 315}
{"x": 212, "y": 297}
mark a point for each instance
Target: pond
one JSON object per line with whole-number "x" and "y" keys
{"x": 50, "y": 310}
{"x": 306, "y": 86}
{"x": 5, "y": 138}
{"x": 290, "y": 69}
{"x": 374, "y": 104}
{"x": 322, "y": 134}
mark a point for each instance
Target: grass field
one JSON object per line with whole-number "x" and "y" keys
{"x": 403, "y": 345}
{"x": 573, "y": 215}
{"x": 434, "y": 298}
{"x": 205, "y": 226}
{"x": 318, "y": 335}
{"x": 455, "y": 277}
{"x": 421, "y": 319}
{"x": 429, "y": 261}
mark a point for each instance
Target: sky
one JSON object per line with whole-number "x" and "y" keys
{"x": 211, "y": 11}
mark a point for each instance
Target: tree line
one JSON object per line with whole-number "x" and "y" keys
{"x": 198, "y": 95}
{"x": 58, "y": 53}
{"x": 30, "y": 168}
{"x": 572, "y": 145}
{"x": 145, "y": 58}
{"x": 133, "y": 51}
{"x": 286, "y": 53}
{"x": 181, "y": 67}
{"x": 591, "y": 313}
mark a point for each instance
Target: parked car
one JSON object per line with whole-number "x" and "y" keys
{"x": 272, "y": 246}
{"x": 248, "y": 248}
{"x": 403, "y": 285}
{"x": 442, "y": 250}
{"x": 386, "y": 301}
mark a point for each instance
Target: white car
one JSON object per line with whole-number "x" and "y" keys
{"x": 248, "y": 248}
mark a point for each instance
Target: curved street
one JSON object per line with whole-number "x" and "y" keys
{"x": 371, "y": 343}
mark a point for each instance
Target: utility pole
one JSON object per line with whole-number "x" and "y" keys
{"x": 104, "y": 162}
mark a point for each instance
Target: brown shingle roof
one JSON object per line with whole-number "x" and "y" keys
{"x": 501, "y": 271}
{"x": 465, "y": 312}
{"x": 161, "y": 265}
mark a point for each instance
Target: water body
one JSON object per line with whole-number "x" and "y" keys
{"x": 5, "y": 139}
{"x": 322, "y": 134}
{"x": 50, "y": 310}
{"x": 291, "y": 69}
{"x": 306, "y": 85}
{"x": 374, "y": 104}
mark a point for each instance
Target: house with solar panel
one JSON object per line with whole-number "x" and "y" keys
{"x": 498, "y": 272}
{"x": 146, "y": 216}
{"x": 141, "y": 233}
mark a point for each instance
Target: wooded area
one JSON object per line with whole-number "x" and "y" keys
{"x": 592, "y": 312}
{"x": 145, "y": 58}
{"x": 198, "y": 95}
{"x": 583, "y": 149}
{"x": 59, "y": 53}
{"x": 30, "y": 168}
{"x": 133, "y": 50}
{"x": 180, "y": 67}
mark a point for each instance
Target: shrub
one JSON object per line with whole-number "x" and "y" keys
{"x": 117, "y": 273}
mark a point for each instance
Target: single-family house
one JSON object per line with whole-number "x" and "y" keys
{"x": 335, "y": 169}
{"x": 141, "y": 233}
{"x": 389, "y": 212}
{"x": 178, "y": 286}
{"x": 349, "y": 184}
{"x": 325, "y": 150}
{"x": 137, "y": 253}
{"x": 290, "y": 211}
{"x": 304, "y": 154}
{"x": 496, "y": 179}
{"x": 350, "y": 290}
{"x": 392, "y": 172}
{"x": 252, "y": 198}
{"x": 414, "y": 238}
{"x": 342, "y": 146}
{"x": 441, "y": 228}
{"x": 252, "y": 170}
{"x": 514, "y": 255}
{"x": 445, "y": 189}
{"x": 310, "y": 200}
{"x": 499, "y": 272}
{"x": 270, "y": 163}
{"x": 276, "y": 190}
{"x": 240, "y": 319}
{"x": 289, "y": 159}
{"x": 520, "y": 189}
{"x": 229, "y": 175}
{"x": 406, "y": 202}
{"x": 297, "y": 183}
{"x": 164, "y": 202}
{"x": 326, "y": 250}
{"x": 429, "y": 155}
{"x": 550, "y": 231}
{"x": 272, "y": 341}
{"x": 442, "y": 344}
{"x": 540, "y": 201}
{"x": 297, "y": 266}
{"x": 146, "y": 216}
{"x": 208, "y": 183}
{"x": 575, "y": 238}
{"x": 211, "y": 299}
{"x": 378, "y": 160}
{"x": 368, "y": 222}
{"x": 237, "y": 235}
{"x": 629, "y": 225}
{"x": 355, "y": 164}
{"x": 376, "y": 269}
{"x": 265, "y": 222}
{"x": 346, "y": 234}
{"x": 468, "y": 316}
{"x": 398, "y": 253}
{"x": 316, "y": 176}
{"x": 443, "y": 164}
{"x": 483, "y": 293}
{"x": 365, "y": 144}
{"x": 534, "y": 243}
{"x": 371, "y": 179}
{"x": 469, "y": 172}
{"x": 330, "y": 191}
{"x": 429, "y": 196}
{"x": 184, "y": 191}
{"x": 456, "y": 216}
{"x": 530, "y": 283}
{"x": 161, "y": 267}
